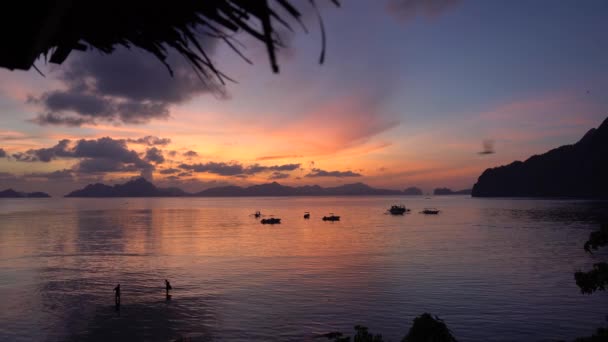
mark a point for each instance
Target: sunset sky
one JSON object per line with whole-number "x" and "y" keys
{"x": 407, "y": 95}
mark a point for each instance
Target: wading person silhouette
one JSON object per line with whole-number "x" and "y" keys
{"x": 167, "y": 287}
{"x": 117, "y": 295}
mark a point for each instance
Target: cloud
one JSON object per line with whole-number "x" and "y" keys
{"x": 23, "y": 157}
{"x": 347, "y": 123}
{"x": 222, "y": 169}
{"x": 64, "y": 174}
{"x": 85, "y": 104}
{"x": 127, "y": 86}
{"x": 103, "y": 165}
{"x": 150, "y": 140}
{"x": 406, "y": 10}
{"x": 2, "y": 153}
{"x": 338, "y": 174}
{"x": 95, "y": 156}
{"x": 57, "y": 119}
{"x": 105, "y": 147}
{"x": 109, "y": 155}
{"x": 277, "y": 157}
{"x": 278, "y": 175}
{"x": 190, "y": 154}
{"x": 236, "y": 169}
{"x": 257, "y": 168}
{"x": 154, "y": 155}
{"x": 169, "y": 171}
{"x": 46, "y": 154}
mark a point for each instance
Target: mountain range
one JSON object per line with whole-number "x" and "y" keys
{"x": 142, "y": 188}
{"x": 139, "y": 187}
{"x": 412, "y": 191}
{"x": 447, "y": 191}
{"x": 10, "y": 193}
{"x": 579, "y": 170}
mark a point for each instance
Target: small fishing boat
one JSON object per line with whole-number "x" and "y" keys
{"x": 397, "y": 210}
{"x": 331, "y": 217}
{"x": 257, "y": 214}
{"x": 430, "y": 211}
{"x": 307, "y": 215}
{"x": 271, "y": 220}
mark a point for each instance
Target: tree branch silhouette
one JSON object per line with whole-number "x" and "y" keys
{"x": 597, "y": 278}
{"x": 54, "y": 28}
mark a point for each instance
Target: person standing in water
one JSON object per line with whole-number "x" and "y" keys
{"x": 167, "y": 287}
{"x": 117, "y": 295}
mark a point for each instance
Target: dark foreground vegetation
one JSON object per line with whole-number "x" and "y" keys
{"x": 425, "y": 328}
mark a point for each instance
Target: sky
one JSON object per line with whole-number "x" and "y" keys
{"x": 407, "y": 95}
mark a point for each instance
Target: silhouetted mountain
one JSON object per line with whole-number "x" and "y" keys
{"x": 142, "y": 188}
{"x": 447, "y": 191}
{"x": 270, "y": 189}
{"x": 10, "y": 193}
{"x": 229, "y": 190}
{"x": 276, "y": 189}
{"x": 412, "y": 191}
{"x": 578, "y": 170}
{"x": 359, "y": 189}
{"x": 135, "y": 188}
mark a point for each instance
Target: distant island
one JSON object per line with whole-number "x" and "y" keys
{"x": 448, "y": 191}
{"x": 412, "y": 191}
{"x": 142, "y": 188}
{"x": 276, "y": 189}
{"x": 10, "y": 193}
{"x": 579, "y": 170}
{"x": 136, "y": 188}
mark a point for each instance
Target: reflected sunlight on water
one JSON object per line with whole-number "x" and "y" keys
{"x": 492, "y": 269}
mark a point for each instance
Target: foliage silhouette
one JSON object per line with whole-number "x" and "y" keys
{"x": 601, "y": 335}
{"x": 429, "y": 329}
{"x": 425, "y": 329}
{"x": 55, "y": 28}
{"x": 362, "y": 335}
{"x": 597, "y": 278}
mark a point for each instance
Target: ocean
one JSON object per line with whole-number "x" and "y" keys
{"x": 492, "y": 269}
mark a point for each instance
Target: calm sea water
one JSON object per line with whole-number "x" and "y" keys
{"x": 494, "y": 270}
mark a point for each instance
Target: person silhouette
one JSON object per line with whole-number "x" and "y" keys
{"x": 167, "y": 287}
{"x": 117, "y": 295}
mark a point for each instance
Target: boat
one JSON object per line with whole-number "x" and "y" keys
{"x": 257, "y": 214}
{"x": 430, "y": 211}
{"x": 271, "y": 220}
{"x": 331, "y": 217}
{"x": 397, "y": 210}
{"x": 307, "y": 215}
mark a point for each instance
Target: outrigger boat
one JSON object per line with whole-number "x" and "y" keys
{"x": 331, "y": 217}
{"x": 430, "y": 211}
{"x": 271, "y": 220}
{"x": 307, "y": 215}
{"x": 398, "y": 210}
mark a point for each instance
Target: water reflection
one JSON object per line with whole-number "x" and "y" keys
{"x": 561, "y": 211}
{"x": 501, "y": 266}
{"x": 151, "y": 321}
